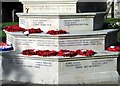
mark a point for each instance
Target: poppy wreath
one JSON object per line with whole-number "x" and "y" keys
{"x": 113, "y": 48}
{"x": 64, "y": 53}
{"x": 46, "y": 53}
{"x": 32, "y": 30}
{"x": 29, "y": 52}
{"x": 53, "y": 32}
{"x": 85, "y": 52}
{"x": 14, "y": 28}
{"x": 5, "y": 46}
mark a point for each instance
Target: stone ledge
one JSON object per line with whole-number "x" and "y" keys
{"x": 64, "y": 72}
{"x": 99, "y": 55}
{"x": 82, "y": 33}
{"x": 58, "y": 14}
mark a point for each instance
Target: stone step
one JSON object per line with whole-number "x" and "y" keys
{"x": 94, "y": 40}
{"x": 74, "y": 22}
{"x": 41, "y": 71}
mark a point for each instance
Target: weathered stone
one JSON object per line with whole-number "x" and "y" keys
{"x": 61, "y": 70}
{"x": 97, "y": 40}
{"x": 49, "y": 6}
{"x": 69, "y": 22}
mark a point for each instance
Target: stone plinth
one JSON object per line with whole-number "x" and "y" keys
{"x": 68, "y": 22}
{"x": 101, "y": 68}
{"x": 49, "y": 6}
{"x": 97, "y": 40}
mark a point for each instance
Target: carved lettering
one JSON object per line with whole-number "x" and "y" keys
{"x": 90, "y": 64}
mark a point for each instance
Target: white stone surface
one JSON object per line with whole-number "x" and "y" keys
{"x": 68, "y": 22}
{"x": 49, "y": 6}
{"x": 43, "y": 70}
{"x": 70, "y": 41}
{"x": 22, "y": 42}
{"x": 56, "y": 15}
{"x": 88, "y": 71}
{"x": 34, "y": 71}
{"x": 48, "y": 0}
{"x": 118, "y": 10}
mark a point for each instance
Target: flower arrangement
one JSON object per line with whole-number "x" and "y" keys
{"x": 113, "y": 48}
{"x": 5, "y": 46}
{"x": 67, "y": 53}
{"x": 46, "y": 53}
{"x": 85, "y": 52}
{"x": 64, "y": 53}
{"x": 32, "y": 30}
{"x": 16, "y": 28}
{"x": 53, "y": 32}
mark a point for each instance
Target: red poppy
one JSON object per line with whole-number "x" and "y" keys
{"x": 3, "y": 44}
{"x": 14, "y": 28}
{"x": 32, "y": 30}
{"x": 46, "y": 53}
{"x": 113, "y": 48}
{"x": 64, "y": 53}
{"x": 53, "y": 32}
{"x": 29, "y": 52}
{"x": 85, "y": 52}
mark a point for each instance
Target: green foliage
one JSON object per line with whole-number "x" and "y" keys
{"x": 2, "y": 33}
{"x": 112, "y": 20}
{"x": 8, "y": 23}
{"x": 112, "y": 23}
{"x": 2, "y": 25}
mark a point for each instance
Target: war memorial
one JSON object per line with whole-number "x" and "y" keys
{"x": 54, "y": 44}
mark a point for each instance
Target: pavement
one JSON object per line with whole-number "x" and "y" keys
{"x": 11, "y": 83}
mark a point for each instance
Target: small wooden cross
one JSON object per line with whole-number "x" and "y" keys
{"x": 27, "y": 9}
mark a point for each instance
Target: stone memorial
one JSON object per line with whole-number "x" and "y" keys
{"x": 61, "y": 63}
{"x": 95, "y": 40}
{"x": 118, "y": 9}
{"x": 56, "y": 70}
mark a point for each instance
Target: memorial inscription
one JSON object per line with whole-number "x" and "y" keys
{"x": 70, "y": 64}
{"x": 22, "y": 21}
{"x": 54, "y": 8}
{"x": 41, "y": 23}
{"x": 90, "y": 64}
{"x": 10, "y": 39}
{"x": 68, "y": 24}
{"x": 64, "y": 22}
{"x": 24, "y": 63}
{"x": 81, "y": 42}
{"x": 36, "y": 42}
{"x": 64, "y": 42}
{"x": 75, "y": 22}
{"x": 50, "y": 44}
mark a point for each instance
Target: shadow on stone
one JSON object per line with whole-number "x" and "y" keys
{"x": 13, "y": 69}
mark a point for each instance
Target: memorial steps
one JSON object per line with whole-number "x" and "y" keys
{"x": 84, "y": 32}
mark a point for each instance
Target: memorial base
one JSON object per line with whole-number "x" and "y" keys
{"x": 94, "y": 40}
{"x": 100, "y": 68}
{"x": 74, "y": 22}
